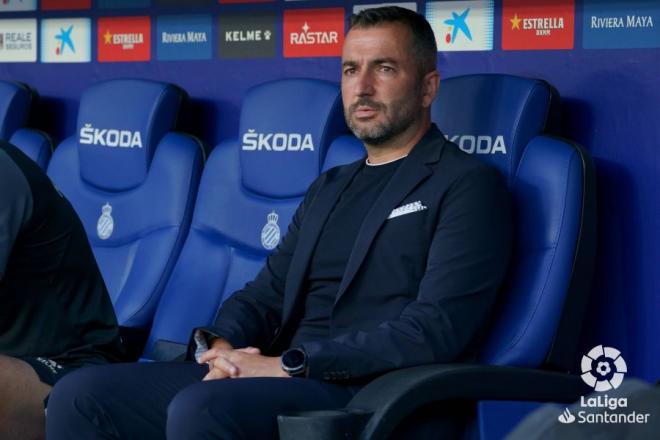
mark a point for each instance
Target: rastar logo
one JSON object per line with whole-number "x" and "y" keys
{"x": 479, "y": 144}
{"x": 107, "y": 137}
{"x": 308, "y": 37}
{"x": 253, "y": 141}
{"x": 313, "y": 32}
{"x": 536, "y": 24}
{"x": 124, "y": 39}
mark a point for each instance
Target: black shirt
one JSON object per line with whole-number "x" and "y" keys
{"x": 53, "y": 301}
{"x": 328, "y": 262}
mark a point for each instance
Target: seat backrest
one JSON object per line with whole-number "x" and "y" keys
{"x": 249, "y": 191}
{"x": 495, "y": 116}
{"x": 15, "y": 102}
{"x": 502, "y": 119}
{"x": 132, "y": 181}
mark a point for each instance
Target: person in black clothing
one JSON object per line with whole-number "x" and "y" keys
{"x": 55, "y": 311}
{"x": 389, "y": 262}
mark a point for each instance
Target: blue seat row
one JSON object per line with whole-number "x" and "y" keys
{"x": 15, "y": 102}
{"x": 174, "y": 237}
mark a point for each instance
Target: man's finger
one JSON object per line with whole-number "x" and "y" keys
{"x": 212, "y": 354}
{"x": 226, "y": 366}
{"x": 250, "y": 350}
{"x": 207, "y": 356}
{"x": 215, "y": 374}
{"x": 221, "y": 368}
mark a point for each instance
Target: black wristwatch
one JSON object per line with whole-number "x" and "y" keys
{"x": 294, "y": 362}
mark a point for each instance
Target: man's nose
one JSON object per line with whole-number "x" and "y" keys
{"x": 365, "y": 85}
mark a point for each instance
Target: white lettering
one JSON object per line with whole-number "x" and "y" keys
{"x": 543, "y": 23}
{"x": 604, "y": 401}
{"x": 606, "y": 22}
{"x": 196, "y": 37}
{"x": 636, "y": 21}
{"x": 253, "y": 141}
{"x": 110, "y": 137}
{"x": 305, "y": 38}
{"x": 480, "y": 144}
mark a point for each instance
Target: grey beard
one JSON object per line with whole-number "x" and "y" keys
{"x": 382, "y": 133}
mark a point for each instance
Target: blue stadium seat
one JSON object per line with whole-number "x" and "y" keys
{"x": 532, "y": 340}
{"x": 132, "y": 181}
{"x": 15, "y": 102}
{"x": 249, "y": 191}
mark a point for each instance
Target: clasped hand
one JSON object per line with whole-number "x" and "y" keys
{"x": 227, "y": 362}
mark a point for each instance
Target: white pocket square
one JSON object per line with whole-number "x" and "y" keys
{"x": 408, "y": 208}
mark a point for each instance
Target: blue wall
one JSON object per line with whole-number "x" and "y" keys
{"x": 611, "y": 103}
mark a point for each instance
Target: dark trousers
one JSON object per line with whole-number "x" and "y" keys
{"x": 152, "y": 400}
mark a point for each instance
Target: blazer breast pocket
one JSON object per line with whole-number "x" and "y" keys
{"x": 408, "y": 229}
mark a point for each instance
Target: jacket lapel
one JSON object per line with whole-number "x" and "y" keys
{"x": 309, "y": 233}
{"x": 410, "y": 174}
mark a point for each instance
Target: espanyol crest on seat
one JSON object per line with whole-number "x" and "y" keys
{"x": 15, "y": 102}
{"x": 249, "y": 191}
{"x": 132, "y": 181}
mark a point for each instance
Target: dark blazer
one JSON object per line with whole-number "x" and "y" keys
{"x": 418, "y": 287}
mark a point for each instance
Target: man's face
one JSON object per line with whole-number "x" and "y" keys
{"x": 380, "y": 85}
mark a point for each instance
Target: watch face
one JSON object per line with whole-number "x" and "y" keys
{"x": 294, "y": 358}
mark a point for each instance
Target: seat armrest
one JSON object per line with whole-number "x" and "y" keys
{"x": 393, "y": 396}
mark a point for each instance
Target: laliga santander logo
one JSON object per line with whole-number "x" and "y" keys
{"x": 603, "y": 368}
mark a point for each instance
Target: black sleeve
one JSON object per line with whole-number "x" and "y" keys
{"x": 15, "y": 206}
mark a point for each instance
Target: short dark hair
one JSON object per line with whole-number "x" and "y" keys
{"x": 423, "y": 39}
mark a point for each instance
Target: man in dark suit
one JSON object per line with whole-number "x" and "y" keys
{"x": 389, "y": 262}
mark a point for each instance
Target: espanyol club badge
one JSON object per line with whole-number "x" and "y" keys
{"x": 270, "y": 234}
{"x": 106, "y": 223}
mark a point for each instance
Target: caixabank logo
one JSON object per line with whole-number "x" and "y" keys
{"x": 620, "y": 25}
{"x": 603, "y": 369}
{"x": 124, "y": 39}
{"x": 247, "y": 34}
{"x": 462, "y": 25}
{"x": 66, "y": 40}
{"x": 18, "y": 40}
{"x": 537, "y": 24}
{"x": 313, "y": 32}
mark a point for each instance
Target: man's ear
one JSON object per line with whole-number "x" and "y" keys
{"x": 430, "y": 86}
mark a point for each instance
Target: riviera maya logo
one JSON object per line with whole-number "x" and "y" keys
{"x": 603, "y": 368}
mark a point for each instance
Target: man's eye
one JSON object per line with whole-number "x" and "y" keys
{"x": 349, "y": 71}
{"x": 386, "y": 69}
